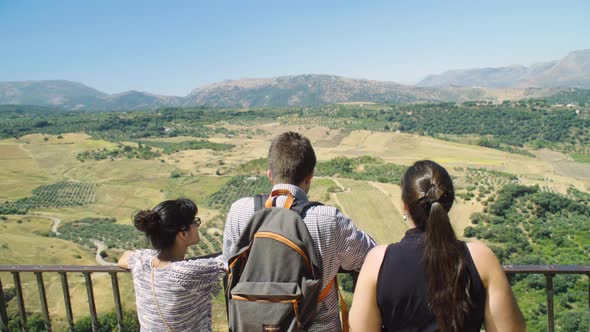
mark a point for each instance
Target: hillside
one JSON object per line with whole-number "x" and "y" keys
{"x": 285, "y": 91}
{"x": 572, "y": 71}
{"x": 311, "y": 90}
{"x": 66, "y": 94}
{"x": 77, "y": 96}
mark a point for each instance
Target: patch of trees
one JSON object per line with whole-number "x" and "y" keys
{"x": 361, "y": 168}
{"x": 482, "y": 184}
{"x": 237, "y": 187}
{"x": 61, "y": 194}
{"x": 498, "y": 145}
{"x": 127, "y": 152}
{"x": 529, "y": 225}
{"x": 504, "y": 202}
{"x": 85, "y": 231}
{"x": 169, "y": 147}
{"x": 130, "y": 126}
{"x": 253, "y": 167}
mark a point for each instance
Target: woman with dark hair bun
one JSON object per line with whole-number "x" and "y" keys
{"x": 172, "y": 294}
{"x": 430, "y": 281}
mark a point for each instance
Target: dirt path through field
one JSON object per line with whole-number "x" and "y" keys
{"x": 335, "y": 197}
{"x": 100, "y": 246}
{"x": 56, "y": 221}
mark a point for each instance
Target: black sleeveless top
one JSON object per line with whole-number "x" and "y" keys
{"x": 402, "y": 291}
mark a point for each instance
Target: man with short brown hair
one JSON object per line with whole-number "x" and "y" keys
{"x": 337, "y": 242}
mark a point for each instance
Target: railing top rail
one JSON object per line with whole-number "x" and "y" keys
{"x": 60, "y": 268}
{"x": 75, "y": 268}
{"x": 547, "y": 269}
{"x": 509, "y": 269}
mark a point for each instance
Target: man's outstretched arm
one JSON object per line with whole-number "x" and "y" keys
{"x": 353, "y": 243}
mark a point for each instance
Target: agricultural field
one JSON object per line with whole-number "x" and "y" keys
{"x": 372, "y": 210}
{"x": 39, "y": 171}
{"x": 61, "y": 194}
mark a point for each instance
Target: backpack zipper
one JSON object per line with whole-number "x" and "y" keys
{"x": 294, "y": 303}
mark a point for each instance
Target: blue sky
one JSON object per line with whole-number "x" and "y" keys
{"x": 171, "y": 47}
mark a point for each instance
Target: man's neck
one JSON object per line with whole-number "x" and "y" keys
{"x": 302, "y": 186}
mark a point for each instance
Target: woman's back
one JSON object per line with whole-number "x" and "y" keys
{"x": 183, "y": 292}
{"x": 432, "y": 281}
{"x": 402, "y": 291}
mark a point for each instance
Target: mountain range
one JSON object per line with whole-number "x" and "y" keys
{"x": 572, "y": 71}
{"x": 512, "y": 82}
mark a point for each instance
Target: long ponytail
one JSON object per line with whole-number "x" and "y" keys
{"x": 446, "y": 271}
{"x": 428, "y": 193}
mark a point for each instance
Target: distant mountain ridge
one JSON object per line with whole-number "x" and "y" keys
{"x": 309, "y": 90}
{"x": 496, "y": 84}
{"x": 302, "y": 90}
{"x": 77, "y": 96}
{"x": 572, "y": 71}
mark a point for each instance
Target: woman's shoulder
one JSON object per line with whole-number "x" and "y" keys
{"x": 140, "y": 258}
{"x": 201, "y": 267}
{"x": 374, "y": 259}
{"x": 484, "y": 259}
{"x": 480, "y": 250}
{"x": 376, "y": 254}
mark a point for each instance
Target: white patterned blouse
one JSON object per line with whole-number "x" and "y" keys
{"x": 183, "y": 291}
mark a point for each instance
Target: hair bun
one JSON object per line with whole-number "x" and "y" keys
{"x": 147, "y": 221}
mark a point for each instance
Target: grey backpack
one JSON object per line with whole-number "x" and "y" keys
{"x": 274, "y": 276}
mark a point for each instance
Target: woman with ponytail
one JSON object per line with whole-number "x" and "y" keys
{"x": 172, "y": 294}
{"x": 430, "y": 281}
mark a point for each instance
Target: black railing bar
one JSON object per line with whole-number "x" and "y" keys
{"x": 550, "y": 314}
{"x": 20, "y": 300}
{"x": 60, "y": 268}
{"x": 117, "y": 296}
{"x": 67, "y": 301}
{"x": 3, "y": 314}
{"x": 548, "y": 269}
{"x": 91, "y": 305}
{"x": 43, "y": 299}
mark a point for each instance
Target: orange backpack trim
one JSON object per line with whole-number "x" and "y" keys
{"x": 343, "y": 305}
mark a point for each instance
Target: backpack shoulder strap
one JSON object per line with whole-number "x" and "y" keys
{"x": 301, "y": 208}
{"x": 259, "y": 201}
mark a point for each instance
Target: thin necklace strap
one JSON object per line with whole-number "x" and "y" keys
{"x": 152, "y": 268}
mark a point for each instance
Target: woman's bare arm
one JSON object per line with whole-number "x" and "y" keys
{"x": 124, "y": 260}
{"x": 501, "y": 310}
{"x": 364, "y": 314}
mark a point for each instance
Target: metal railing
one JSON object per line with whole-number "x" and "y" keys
{"x": 549, "y": 271}
{"x": 63, "y": 271}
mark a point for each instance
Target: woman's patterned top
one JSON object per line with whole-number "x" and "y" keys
{"x": 183, "y": 290}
